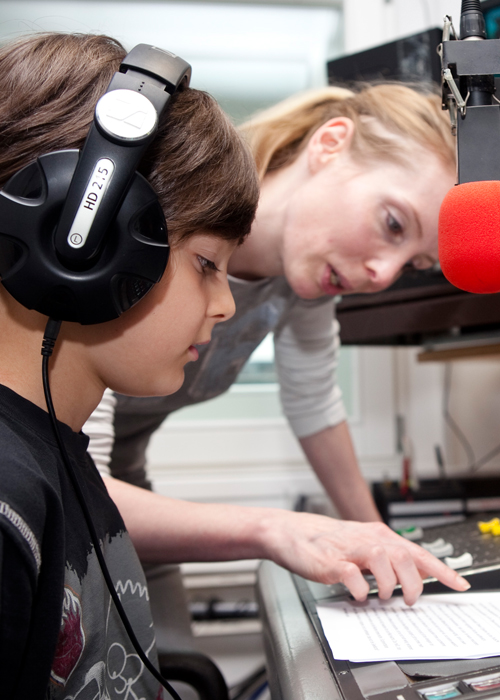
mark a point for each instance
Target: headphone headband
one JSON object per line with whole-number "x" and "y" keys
{"x": 170, "y": 69}
{"x": 125, "y": 123}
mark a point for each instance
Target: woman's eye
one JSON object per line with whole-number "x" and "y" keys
{"x": 408, "y": 267}
{"x": 207, "y": 264}
{"x": 424, "y": 263}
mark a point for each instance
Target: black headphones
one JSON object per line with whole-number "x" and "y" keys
{"x": 82, "y": 234}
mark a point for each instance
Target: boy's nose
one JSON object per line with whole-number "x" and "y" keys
{"x": 222, "y": 306}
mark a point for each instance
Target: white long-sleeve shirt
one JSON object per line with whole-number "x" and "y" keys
{"x": 306, "y": 346}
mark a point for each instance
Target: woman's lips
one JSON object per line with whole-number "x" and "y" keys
{"x": 334, "y": 278}
{"x": 332, "y": 283}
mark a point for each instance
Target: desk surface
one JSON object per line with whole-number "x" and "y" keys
{"x": 297, "y": 666}
{"x": 299, "y": 669}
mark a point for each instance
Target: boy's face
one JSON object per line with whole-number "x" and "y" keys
{"x": 143, "y": 353}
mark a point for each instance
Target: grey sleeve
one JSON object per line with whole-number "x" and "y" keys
{"x": 100, "y": 429}
{"x": 306, "y": 350}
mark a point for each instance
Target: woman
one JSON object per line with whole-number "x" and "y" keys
{"x": 351, "y": 185}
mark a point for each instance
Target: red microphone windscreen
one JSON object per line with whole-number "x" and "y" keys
{"x": 469, "y": 236}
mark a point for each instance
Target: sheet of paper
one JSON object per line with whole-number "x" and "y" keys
{"x": 444, "y": 626}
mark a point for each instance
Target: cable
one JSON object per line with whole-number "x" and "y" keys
{"x": 474, "y": 465}
{"x": 255, "y": 681}
{"x": 467, "y": 447}
{"x": 49, "y": 340}
{"x": 440, "y": 462}
{"x": 487, "y": 457}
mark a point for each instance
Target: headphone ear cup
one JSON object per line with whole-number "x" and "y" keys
{"x": 130, "y": 261}
{"x": 138, "y": 251}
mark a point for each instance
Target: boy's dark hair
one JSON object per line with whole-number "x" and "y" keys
{"x": 199, "y": 166}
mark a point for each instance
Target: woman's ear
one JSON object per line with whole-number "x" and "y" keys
{"x": 329, "y": 141}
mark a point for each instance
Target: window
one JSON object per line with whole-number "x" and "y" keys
{"x": 248, "y": 56}
{"x": 255, "y": 394}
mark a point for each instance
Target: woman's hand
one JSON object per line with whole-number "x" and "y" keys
{"x": 332, "y": 551}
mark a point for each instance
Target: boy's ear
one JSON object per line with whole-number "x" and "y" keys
{"x": 329, "y": 141}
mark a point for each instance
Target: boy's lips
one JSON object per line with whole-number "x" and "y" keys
{"x": 194, "y": 350}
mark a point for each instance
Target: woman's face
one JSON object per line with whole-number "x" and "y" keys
{"x": 143, "y": 353}
{"x": 352, "y": 228}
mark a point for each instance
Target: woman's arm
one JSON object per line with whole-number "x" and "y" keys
{"x": 307, "y": 349}
{"x": 331, "y": 454}
{"x": 316, "y": 547}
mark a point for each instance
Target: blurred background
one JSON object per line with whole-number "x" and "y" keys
{"x": 238, "y": 448}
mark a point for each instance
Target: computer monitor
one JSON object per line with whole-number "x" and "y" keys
{"x": 411, "y": 59}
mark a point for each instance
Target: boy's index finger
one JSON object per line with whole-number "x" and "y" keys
{"x": 448, "y": 577}
{"x": 436, "y": 569}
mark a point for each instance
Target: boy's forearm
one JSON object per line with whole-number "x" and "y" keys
{"x": 314, "y": 546}
{"x": 168, "y": 530}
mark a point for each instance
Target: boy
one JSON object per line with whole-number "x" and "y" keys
{"x": 60, "y": 634}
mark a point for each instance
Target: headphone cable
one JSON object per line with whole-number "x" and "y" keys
{"x": 49, "y": 340}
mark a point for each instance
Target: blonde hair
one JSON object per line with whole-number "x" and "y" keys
{"x": 277, "y": 135}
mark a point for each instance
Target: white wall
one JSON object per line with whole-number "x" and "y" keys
{"x": 371, "y": 22}
{"x": 260, "y": 462}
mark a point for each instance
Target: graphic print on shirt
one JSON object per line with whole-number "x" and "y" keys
{"x": 71, "y": 640}
{"x": 95, "y": 659}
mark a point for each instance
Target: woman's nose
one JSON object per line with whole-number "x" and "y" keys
{"x": 384, "y": 271}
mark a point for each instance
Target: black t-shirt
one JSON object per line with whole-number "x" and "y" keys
{"x": 60, "y": 635}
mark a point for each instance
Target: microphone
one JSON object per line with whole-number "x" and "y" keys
{"x": 469, "y": 236}
{"x": 472, "y": 23}
{"x": 469, "y": 220}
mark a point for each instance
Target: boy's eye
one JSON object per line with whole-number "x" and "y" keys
{"x": 207, "y": 264}
{"x": 394, "y": 227}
